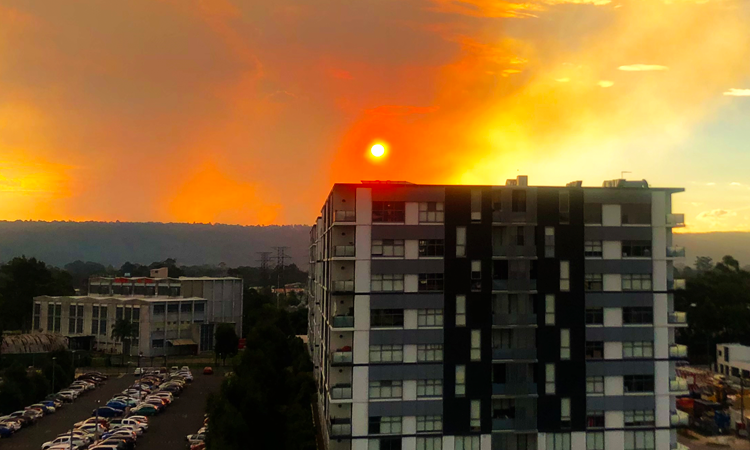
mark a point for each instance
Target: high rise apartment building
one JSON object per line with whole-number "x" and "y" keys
{"x": 496, "y": 317}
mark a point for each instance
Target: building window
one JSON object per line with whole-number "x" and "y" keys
{"x": 638, "y": 383}
{"x": 520, "y": 236}
{"x": 476, "y": 204}
{"x": 460, "y": 242}
{"x": 549, "y": 309}
{"x": 199, "y": 308}
{"x": 388, "y": 212}
{"x": 431, "y": 247}
{"x": 593, "y": 282}
{"x": 103, "y": 318}
{"x": 476, "y": 275}
{"x": 386, "y": 389}
{"x": 119, "y": 312}
{"x": 594, "y": 316}
{"x": 429, "y": 424}
{"x": 549, "y": 379}
{"x": 558, "y": 441}
{"x": 429, "y": 388}
{"x": 460, "y": 381}
{"x": 476, "y": 345}
{"x": 475, "y": 415}
{"x": 594, "y": 349}
{"x": 385, "y": 425}
{"x": 430, "y": 443}
{"x": 386, "y": 318}
{"x": 384, "y": 444}
{"x": 388, "y": 282}
{"x": 467, "y": 443}
{"x": 636, "y": 213}
{"x": 429, "y": 317}
{"x": 549, "y": 242}
{"x": 565, "y": 412}
{"x": 595, "y": 441}
{"x": 637, "y": 349}
{"x": 564, "y": 207}
{"x": 56, "y": 314}
{"x": 460, "y": 310}
{"x": 640, "y": 418}
{"x": 388, "y": 247}
{"x": 634, "y": 315}
{"x": 386, "y": 353}
{"x": 640, "y": 440}
{"x": 592, "y": 249}
{"x": 429, "y": 352}
{"x": 430, "y": 282}
{"x": 594, "y": 385}
{"x": 160, "y": 308}
{"x": 75, "y": 319}
{"x": 518, "y": 200}
{"x": 565, "y": 343}
{"x": 636, "y": 249}
{"x": 592, "y": 213}
{"x": 636, "y": 282}
{"x": 37, "y": 316}
{"x": 564, "y": 276}
{"x": 157, "y": 343}
{"x": 431, "y": 212}
{"x": 595, "y": 419}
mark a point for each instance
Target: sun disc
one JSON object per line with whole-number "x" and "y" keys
{"x": 377, "y": 150}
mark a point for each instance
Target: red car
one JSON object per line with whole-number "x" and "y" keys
{"x": 208, "y": 371}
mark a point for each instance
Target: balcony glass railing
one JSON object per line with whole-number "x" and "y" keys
{"x": 344, "y": 216}
{"x": 677, "y": 318}
{"x": 340, "y": 429}
{"x": 343, "y": 250}
{"x": 343, "y": 321}
{"x": 343, "y": 285}
{"x": 678, "y": 351}
{"x": 514, "y": 389}
{"x": 341, "y": 392}
{"x": 341, "y": 358}
{"x": 513, "y": 285}
{"x": 679, "y": 419}
{"x": 501, "y": 319}
{"x": 514, "y": 353}
{"x": 678, "y": 384}
{"x": 516, "y": 424}
{"x": 675, "y": 220}
{"x": 675, "y": 252}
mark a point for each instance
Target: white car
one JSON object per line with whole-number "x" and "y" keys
{"x": 82, "y": 435}
{"x": 135, "y": 423}
{"x": 91, "y": 428}
{"x": 129, "y": 427}
{"x": 141, "y": 419}
{"x": 196, "y": 438}
{"x": 78, "y": 443}
{"x": 10, "y": 424}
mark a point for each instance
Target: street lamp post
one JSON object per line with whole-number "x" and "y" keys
{"x": 96, "y": 427}
{"x": 54, "y": 358}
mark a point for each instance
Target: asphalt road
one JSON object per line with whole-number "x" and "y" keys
{"x": 166, "y": 431}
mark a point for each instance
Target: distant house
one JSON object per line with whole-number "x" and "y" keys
{"x": 297, "y": 288}
{"x": 733, "y": 360}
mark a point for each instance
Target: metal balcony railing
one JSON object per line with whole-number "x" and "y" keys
{"x": 500, "y": 319}
{"x": 341, "y": 358}
{"x": 675, "y": 252}
{"x": 675, "y": 220}
{"x": 513, "y": 285}
{"x": 514, "y": 389}
{"x": 677, "y": 318}
{"x": 343, "y": 286}
{"x": 677, "y": 351}
{"x": 343, "y": 321}
{"x": 343, "y": 250}
{"x": 679, "y": 419}
{"x": 341, "y": 392}
{"x": 513, "y": 424}
{"x": 678, "y": 385}
{"x": 344, "y": 216}
{"x": 513, "y": 353}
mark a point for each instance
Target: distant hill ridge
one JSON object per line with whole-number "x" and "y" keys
{"x": 59, "y": 243}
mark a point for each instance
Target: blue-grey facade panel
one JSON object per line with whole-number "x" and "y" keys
{"x": 616, "y": 196}
{"x": 637, "y": 266}
{"x": 388, "y": 337}
{"x": 406, "y": 372}
{"x": 408, "y": 408}
{"x": 620, "y": 403}
{"x": 618, "y": 368}
{"x": 408, "y": 232}
{"x": 617, "y": 233}
{"x": 407, "y": 301}
{"x": 620, "y": 334}
{"x": 618, "y": 299}
{"x": 383, "y": 266}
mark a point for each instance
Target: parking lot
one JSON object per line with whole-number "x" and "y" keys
{"x": 166, "y": 430}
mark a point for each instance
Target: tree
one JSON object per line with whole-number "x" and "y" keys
{"x": 123, "y": 331}
{"x": 227, "y": 341}
{"x": 704, "y": 263}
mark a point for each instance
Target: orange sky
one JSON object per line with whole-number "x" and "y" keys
{"x": 247, "y": 111}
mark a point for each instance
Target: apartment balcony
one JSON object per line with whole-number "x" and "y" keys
{"x": 511, "y": 424}
{"x": 514, "y": 389}
{"x": 679, "y": 419}
{"x": 675, "y": 252}
{"x": 339, "y": 429}
{"x": 677, "y": 351}
{"x": 513, "y": 285}
{"x": 514, "y": 354}
{"x": 342, "y": 358}
{"x": 514, "y": 251}
{"x": 343, "y": 251}
{"x": 673, "y": 285}
{"x": 678, "y": 386}
{"x": 514, "y": 320}
{"x": 343, "y": 322}
{"x": 342, "y": 286}
{"x": 341, "y": 392}
{"x": 677, "y": 318}
{"x": 675, "y": 220}
{"x": 344, "y": 216}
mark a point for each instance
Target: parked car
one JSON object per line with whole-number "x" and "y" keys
{"x": 46, "y": 409}
{"x": 92, "y": 428}
{"x": 208, "y": 370}
{"x": 198, "y": 446}
{"x": 22, "y": 420}
{"x": 107, "y": 411}
{"x": 77, "y": 443}
{"x": 196, "y": 438}
{"x": 5, "y": 432}
{"x": 145, "y": 409}
{"x": 12, "y": 424}
{"x": 91, "y": 420}
{"x": 130, "y": 421}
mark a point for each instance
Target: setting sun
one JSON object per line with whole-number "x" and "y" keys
{"x": 377, "y": 150}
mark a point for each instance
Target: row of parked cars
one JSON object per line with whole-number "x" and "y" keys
{"x": 197, "y": 441}
{"x": 15, "y": 421}
{"x": 125, "y": 417}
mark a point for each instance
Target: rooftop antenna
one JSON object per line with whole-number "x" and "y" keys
{"x": 622, "y": 174}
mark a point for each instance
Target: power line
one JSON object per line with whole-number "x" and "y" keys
{"x": 281, "y": 257}
{"x": 264, "y": 260}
